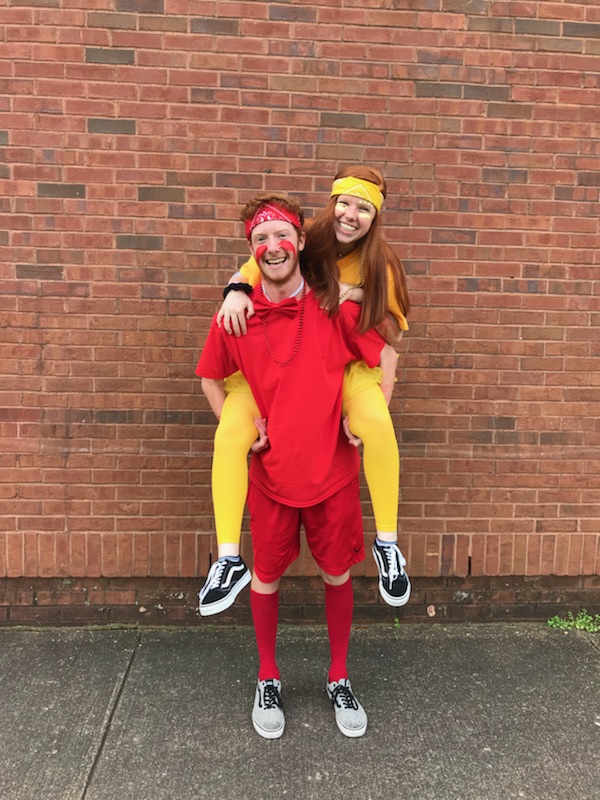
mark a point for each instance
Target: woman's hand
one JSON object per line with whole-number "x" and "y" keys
{"x": 350, "y": 292}
{"x": 235, "y": 310}
{"x": 263, "y": 440}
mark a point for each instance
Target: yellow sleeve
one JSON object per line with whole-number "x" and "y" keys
{"x": 250, "y": 271}
{"x": 393, "y": 306}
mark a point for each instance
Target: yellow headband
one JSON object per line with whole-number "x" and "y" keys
{"x": 356, "y": 187}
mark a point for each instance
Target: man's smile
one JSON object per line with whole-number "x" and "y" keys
{"x": 275, "y": 262}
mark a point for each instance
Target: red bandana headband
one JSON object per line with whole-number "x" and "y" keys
{"x": 268, "y": 212}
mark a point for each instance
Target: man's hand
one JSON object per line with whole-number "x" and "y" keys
{"x": 236, "y": 309}
{"x": 263, "y": 440}
{"x": 354, "y": 440}
{"x": 388, "y": 391}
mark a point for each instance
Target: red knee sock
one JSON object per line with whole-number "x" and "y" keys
{"x": 339, "y": 608}
{"x": 265, "y": 613}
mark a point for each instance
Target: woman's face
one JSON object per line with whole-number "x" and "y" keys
{"x": 353, "y": 218}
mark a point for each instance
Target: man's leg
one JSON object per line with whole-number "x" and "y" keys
{"x": 275, "y": 532}
{"x": 267, "y": 714}
{"x": 350, "y": 716}
{"x": 339, "y": 608}
{"x": 334, "y": 532}
{"x": 264, "y": 603}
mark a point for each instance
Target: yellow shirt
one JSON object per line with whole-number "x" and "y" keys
{"x": 349, "y": 267}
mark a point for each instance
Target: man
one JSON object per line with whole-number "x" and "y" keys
{"x": 293, "y": 358}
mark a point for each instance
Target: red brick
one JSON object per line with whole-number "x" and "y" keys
{"x": 496, "y": 198}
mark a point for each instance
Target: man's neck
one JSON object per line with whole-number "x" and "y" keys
{"x": 276, "y": 292}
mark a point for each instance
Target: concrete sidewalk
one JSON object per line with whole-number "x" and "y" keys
{"x": 462, "y": 712}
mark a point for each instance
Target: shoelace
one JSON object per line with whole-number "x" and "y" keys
{"x": 215, "y": 579}
{"x": 395, "y": 568}
{"x": 342, "y": 696}
{"x": 271, "y": 697}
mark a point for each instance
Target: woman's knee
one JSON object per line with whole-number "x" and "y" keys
{"x": 233, "y": 434}
{"x": 372, "y": 421}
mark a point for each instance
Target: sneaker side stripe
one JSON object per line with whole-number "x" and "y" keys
{"x": 380, "y": 562}
{"x": 232, "y": 574}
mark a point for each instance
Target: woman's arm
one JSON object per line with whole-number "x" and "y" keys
{"x": 235, "y": 310}
{"x": 237, "y": 306}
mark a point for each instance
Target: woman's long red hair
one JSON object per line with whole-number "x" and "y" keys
{"x": 319, "y": 259}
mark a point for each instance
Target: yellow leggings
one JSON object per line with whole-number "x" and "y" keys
{"x": 369, "y": 418}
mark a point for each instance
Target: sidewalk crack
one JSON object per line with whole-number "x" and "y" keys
{"x": 110, "y": 713}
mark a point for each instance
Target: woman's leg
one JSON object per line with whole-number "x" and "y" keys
{"x": 370, "y": 420}
{"x": 234, "y": 437}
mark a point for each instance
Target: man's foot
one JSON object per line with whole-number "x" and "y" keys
{"x": 350, "y": 716}
{"x": 394, "y": 585}
{"x": 225, "y": 580}
{"x": 267, "y": 714}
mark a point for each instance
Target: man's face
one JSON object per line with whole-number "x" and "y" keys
{"x": 275, "y": 245}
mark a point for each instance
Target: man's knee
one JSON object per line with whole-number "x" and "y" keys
{"x": 263, "y": 588}
{"x": 335, "y": 580}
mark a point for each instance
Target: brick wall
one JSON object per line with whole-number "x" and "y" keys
{"x": 130, "y": 133}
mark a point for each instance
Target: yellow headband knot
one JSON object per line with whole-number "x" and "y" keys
{"x": 356, "y": 187}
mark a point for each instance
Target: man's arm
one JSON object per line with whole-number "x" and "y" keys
{"x": 390, "y": 330}
{"x": 215, "y": 394}
{"x": 388, "y": 363}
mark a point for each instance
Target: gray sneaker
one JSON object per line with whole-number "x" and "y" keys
{"x": 349, "y": 714}
{"x": 267, "y": 714}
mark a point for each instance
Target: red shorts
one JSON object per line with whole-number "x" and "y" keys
{"x": 334, "y": 532}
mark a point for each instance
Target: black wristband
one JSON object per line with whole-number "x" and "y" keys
{"x": 237, "y": 287}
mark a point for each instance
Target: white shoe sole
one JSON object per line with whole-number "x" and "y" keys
{"x": 266, "y": 734}
{"x": 226, "y": 602}
{"x": 352, "y": 733}
{"x": 395, "y": 601}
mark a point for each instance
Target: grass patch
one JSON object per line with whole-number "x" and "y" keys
{"x": 582, "y": 622}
